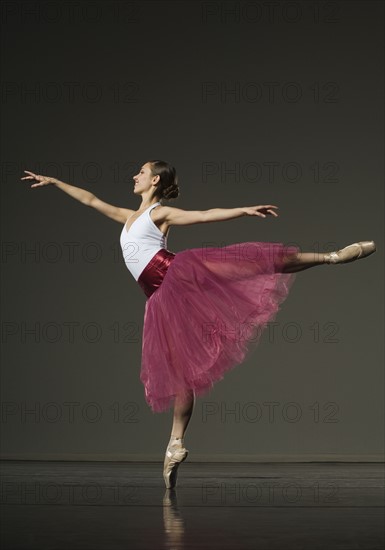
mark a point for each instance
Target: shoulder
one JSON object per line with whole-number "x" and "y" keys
{"x": 160, "y": 212}
{"x": 126, "y": 213}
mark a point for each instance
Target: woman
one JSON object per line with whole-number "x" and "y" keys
{"x": 208, "y": 313}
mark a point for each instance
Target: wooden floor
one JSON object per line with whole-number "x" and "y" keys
{"x": 234, "y": 506}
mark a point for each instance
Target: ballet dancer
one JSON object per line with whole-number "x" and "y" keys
{"x": 206, "y": 307}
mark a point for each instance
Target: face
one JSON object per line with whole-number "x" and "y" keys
{"x": 144, "y": 180}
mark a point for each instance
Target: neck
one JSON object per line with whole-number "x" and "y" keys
{"x": 145, "y": 205}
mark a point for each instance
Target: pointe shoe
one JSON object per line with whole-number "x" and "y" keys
{"x": 351, "y": 253}
{"x": 174, "y": 457}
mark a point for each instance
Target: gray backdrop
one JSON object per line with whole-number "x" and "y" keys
{"x": 252, "y": 104}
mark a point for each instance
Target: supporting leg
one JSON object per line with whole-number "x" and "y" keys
{"x": 183, "y": 409}
{"x": 175, "y": 452}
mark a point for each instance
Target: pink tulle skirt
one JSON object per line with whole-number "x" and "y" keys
{"x": 205, "y": 313}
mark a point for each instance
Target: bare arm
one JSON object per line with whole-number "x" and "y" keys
{"x": 177, "y": 216}
{"x": 85, "y": 197}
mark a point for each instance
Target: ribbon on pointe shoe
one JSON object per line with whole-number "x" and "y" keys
{"x": 172, "y": 461}
{"x": 350, "y": 253}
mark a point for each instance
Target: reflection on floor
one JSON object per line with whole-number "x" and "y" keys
{"x": 237, "y": 506}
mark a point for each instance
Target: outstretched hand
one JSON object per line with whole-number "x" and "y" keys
{"x": 262, "y": 210}
{"x": 43, "y": 180}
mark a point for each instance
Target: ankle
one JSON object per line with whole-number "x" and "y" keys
{"x": 176, "y": 441}
{"x": 331, "y": 258}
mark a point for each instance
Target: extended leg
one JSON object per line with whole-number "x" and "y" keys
{"x": 298, "y": 261}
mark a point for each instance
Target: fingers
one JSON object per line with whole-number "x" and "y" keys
{"x": 31, "y": 177}
{"x": 268, "y": 209}
{"x": 34, "y": 177}
{"x": 262, "y": 210}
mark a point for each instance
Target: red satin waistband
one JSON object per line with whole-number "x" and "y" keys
{"x": 153, "y": 274}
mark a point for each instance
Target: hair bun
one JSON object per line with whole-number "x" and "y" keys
{"x": 168, "y": 187}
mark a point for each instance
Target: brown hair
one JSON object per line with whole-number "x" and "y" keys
{"x": 167, "y": 187}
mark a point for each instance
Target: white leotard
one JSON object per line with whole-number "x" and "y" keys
{"x": 141, "y": 242}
